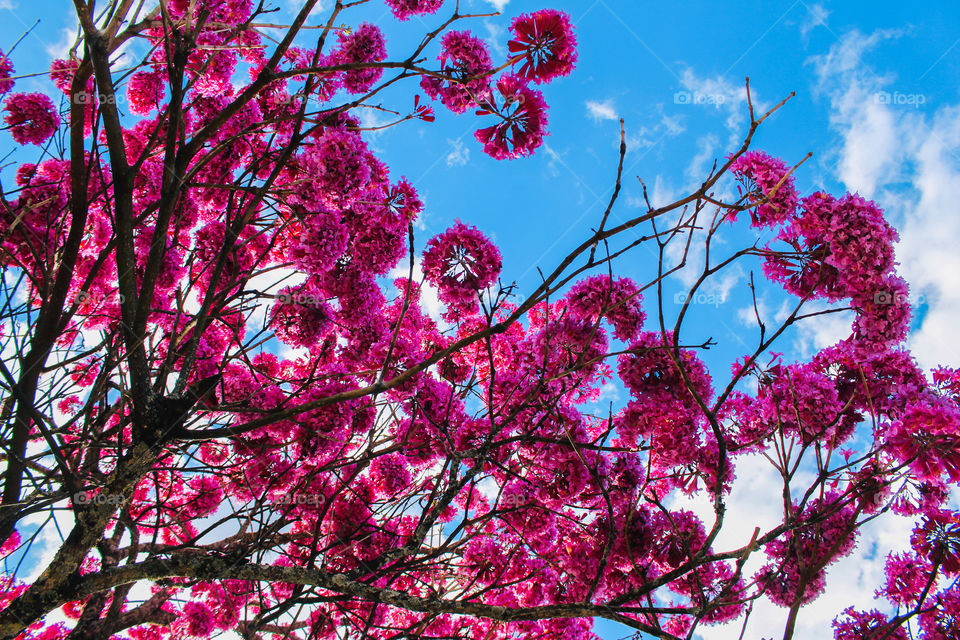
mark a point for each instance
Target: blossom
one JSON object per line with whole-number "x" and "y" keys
{"x": 618, "y": 300}
{"x": 848, "y": 247}
{"x": 6, "y": 71}
{"x": 464, "y": 60}
{"x": 404, "y": 9}
{"x": 62, "y": 72}
{"x": 207, "y": 496}
{"x": 761, "y": 174}
{"x": 459, "y": 262}
{"x": 937, "y": 538}
{"x": 301, "y": 317}
{"x": 826, "y": 530}
{"x": 907, "y": 575}
{"x": 522, "y": 128}
{"x": 334, "y": 169}
{"x": 857, "y": 625}
{"x": 31, "y": 117}
{"x": 199, "y": 620}
{"x": 546, "y": 43}
{"x": 942, "y": 621}
{"x": 10, "y": 545}
{"x": 927, "y": 438}
{"x": 145, "y": 90}
{"x": 364, "y": 45}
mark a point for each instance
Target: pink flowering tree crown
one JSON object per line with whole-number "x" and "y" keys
{"x": 230, "y": 420}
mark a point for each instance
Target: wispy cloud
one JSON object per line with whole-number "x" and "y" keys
{"x": 601, "y": 110}
{"x": 718, "y": 93}
{"x": 908, "y": 159}
{"x": 816, "y": 16}
{"x": 459, "y": 153}
{"x": 499, "y": 5}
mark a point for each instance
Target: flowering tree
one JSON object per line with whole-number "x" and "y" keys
{"x": 240, "y": 424}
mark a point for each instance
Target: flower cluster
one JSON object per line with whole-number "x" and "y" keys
{"x": 524, "y": 121}
{"x": 6, "y": 71}
{"x": 461, "y": 262}
{"x": 31, "y": 117}
{"x": 826, "y": 531}
{"x": 544, "y": 42}
{"x": 618, "y": 300}
{"x": 465, "y": 67}
{"x": 361, "y": 47}
{"x": 405, "y": 9}
{"x": 766, "y": 180}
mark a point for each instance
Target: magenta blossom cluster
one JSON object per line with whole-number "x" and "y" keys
{"x": 362, "y": 46}
{"x": 6, "y": 73}
{"x": 766, "y": 179}
{"x": 406, "y": 9}
{"x": 618, "y": 300}
{"x": 523, "y": 123}
{"x": 461, "y": 262}
{"x": 466, "y": 67}
{"x": 545, "y": 44}
{"x": 32, "y": 118}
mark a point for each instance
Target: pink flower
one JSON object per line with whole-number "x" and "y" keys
{"x": 857, "y": 625}
{"x": 522, "y": 129}
{"x": 545, "y": 40}
{"x": 62, "y": 72}
{"x": 198, "y": 619}
{"x": 616, "y": 300}
{"x": 760, "y": 174}
{"x": 333, "y": 170}
{"x": 907, "y": 576}
{"x": 459, "y": 263}
{"x": 937, "y": 538}
{"x": 145, "y": 90}
{"x": 364, "y": 45}
{"x": 322, "y": 241}
{"x": 301, "y": 316}
{"x": 465, "y": 60}
{"x": 10, "y": 545}
{"x": 207, "y": 496}
{"x": 927, "y": 438}
{"x": 6, "y": 71}
{"x": 404, "y": 9}
{"x": 31, "y": 117}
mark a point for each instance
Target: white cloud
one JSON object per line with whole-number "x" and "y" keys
{"x": 703, "y": 160}
{"x": 294, "y": 7}
{"x": 908, "y": 159}
{"x": 495, "y": 39}
{"x": 59, "y": 49}
{"x": 770, "y": 317}
{"x": 816, "y": 16}
{"x": 819, "y": 332}
{"x": 8, "y": 4}
{"x": 459, "y": 153}
{"x": 717, "y": 93}
{"x": 756, "y": 501}
{"x": 601, "y": 110}
{"x": 499, "y": 5}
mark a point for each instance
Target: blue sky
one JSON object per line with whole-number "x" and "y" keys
{"x": 877, "y": 104}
